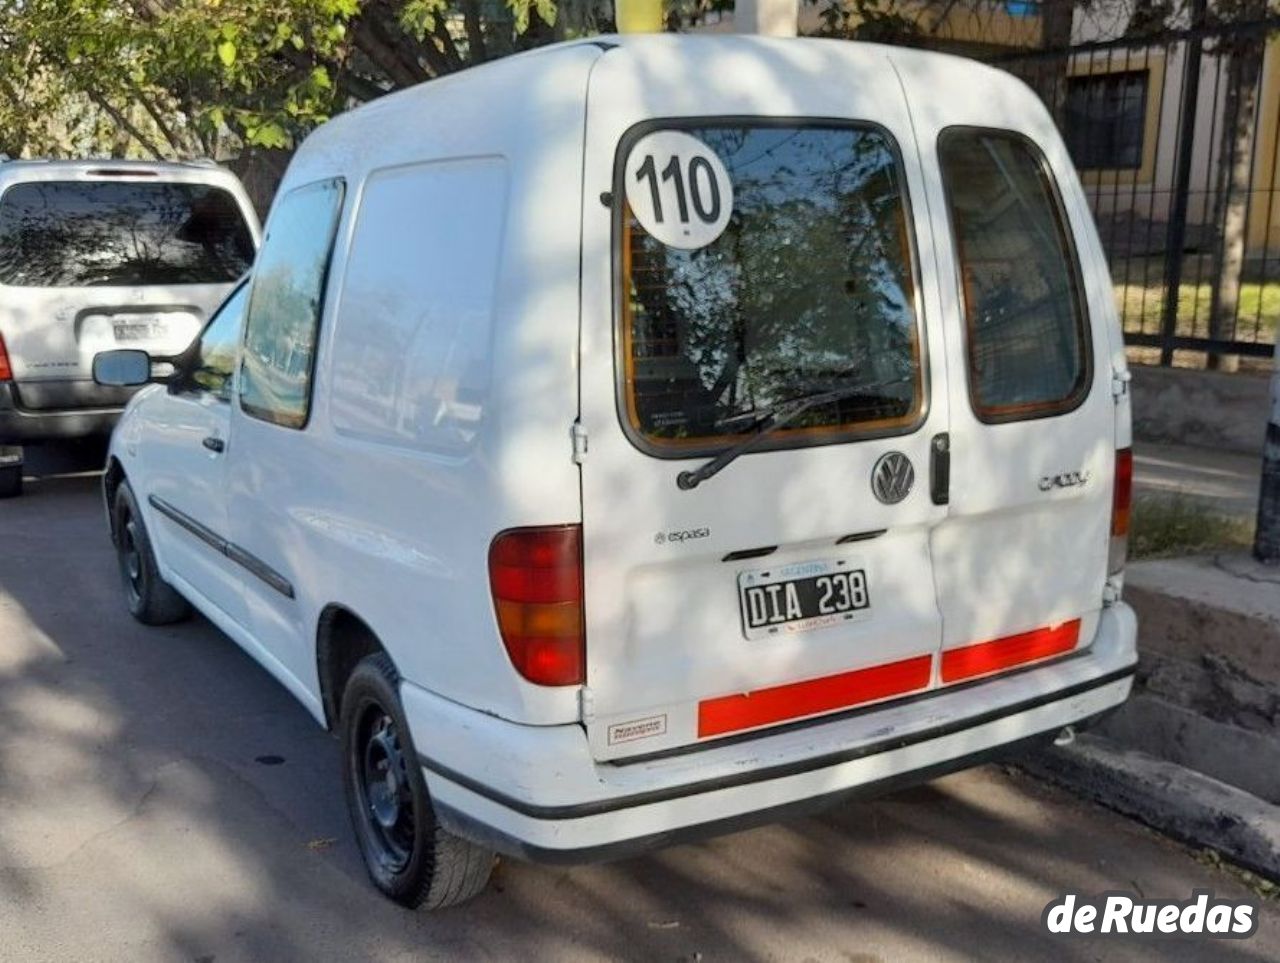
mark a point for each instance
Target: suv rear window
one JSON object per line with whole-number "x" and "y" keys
{"x": 1024, "y": 312}
{"x": 808, "y": 289}
{"x": 121, "y": 233}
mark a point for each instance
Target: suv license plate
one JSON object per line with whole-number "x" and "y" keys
{"x": 802, "y": 596}
{"x": 139, "y": 330}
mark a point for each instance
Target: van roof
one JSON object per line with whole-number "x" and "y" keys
{"x": 439, "y": 117}
{"x": 668, "y": 51}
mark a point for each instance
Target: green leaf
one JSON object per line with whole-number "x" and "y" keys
{"x": 227, "y": 53}
{"x": 546, "y": 10}
{"x": 269, "y": 134}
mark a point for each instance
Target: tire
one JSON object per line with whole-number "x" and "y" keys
{"x": 11, "y": 481}
{"x": 410, "y": 857}
{"x": 151, "y": 600}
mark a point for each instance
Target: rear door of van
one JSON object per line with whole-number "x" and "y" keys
{"x": 1021, "y": 560}
{"x": 756, "y": 255}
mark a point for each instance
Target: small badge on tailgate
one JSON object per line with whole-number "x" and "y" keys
{"x": 635, "y": 729}
{"x": 1064, "y": 479}
{"x": 892, "y": 477}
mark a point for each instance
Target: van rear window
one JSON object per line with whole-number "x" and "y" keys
{"x": 121, "y": 233}
{"x": 1027, "y": 331}
{"x": 808, "y": 289}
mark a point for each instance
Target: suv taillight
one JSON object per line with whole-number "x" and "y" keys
{"x": 1121, "y": 503}
{"x": 6, "y": 371}
{"x": 535, "y": 575}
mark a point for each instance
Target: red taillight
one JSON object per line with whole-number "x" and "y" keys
{"x": 535, "y": 575}
{"x": 6, "y": 371}
{"x": 1122, "y": 497}
{"x": 1121, "y": 504}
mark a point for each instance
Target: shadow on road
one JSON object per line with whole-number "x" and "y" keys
{"x": 161, "y": 797}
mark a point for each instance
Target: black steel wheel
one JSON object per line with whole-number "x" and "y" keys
{"x": 382, "y": 781}
{"x": 151, "y": 599}
{"x": 132, "y": 572}
{"x": 409, "y": 856}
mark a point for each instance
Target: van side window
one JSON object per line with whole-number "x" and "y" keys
{"x": 1027, "y": 332}
{"x": 286, "y": 303}
{"x": 213, "y": 356}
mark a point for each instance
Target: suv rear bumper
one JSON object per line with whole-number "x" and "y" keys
{"x": 19, "y": 425}
{"x": 536, "y": 792}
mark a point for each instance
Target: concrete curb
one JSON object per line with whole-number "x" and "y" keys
{"x": 1221, "y": 604}
{"x": 1245, "y": 759}
{"x": 1179, "y": 802}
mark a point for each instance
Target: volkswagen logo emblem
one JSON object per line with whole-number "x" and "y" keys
{"x": 892, "y": 477}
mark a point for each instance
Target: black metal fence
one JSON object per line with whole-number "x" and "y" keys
{"x": 1177, "y": 142}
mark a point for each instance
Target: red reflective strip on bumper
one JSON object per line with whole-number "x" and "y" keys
{"x": 1013, "y": 650}
{"x": 798, "y": 699}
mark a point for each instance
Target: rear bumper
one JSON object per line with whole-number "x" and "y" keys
{"x": 535, "y": 792}
{"x": 19, "y": 425}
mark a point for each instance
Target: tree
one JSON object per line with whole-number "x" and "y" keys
{"x": 172, "y": 78}
{"x": 1244, "y": 53}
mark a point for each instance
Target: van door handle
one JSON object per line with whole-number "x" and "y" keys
{"x": 940, "y": 468}
{"x": 215, "y": 444}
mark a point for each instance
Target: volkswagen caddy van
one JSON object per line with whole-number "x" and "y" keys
{"x": 650, "y": 437}
{"x": 103, "y": 254}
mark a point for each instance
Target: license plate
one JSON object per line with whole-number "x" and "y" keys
{"x": 140, "y": 330}
{"x": 802, "y": 596}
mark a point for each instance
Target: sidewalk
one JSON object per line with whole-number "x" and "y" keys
{"x": 1195, "y": 752}
{"x": 1227, "y": 480}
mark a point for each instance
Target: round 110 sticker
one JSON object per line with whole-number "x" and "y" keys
{"x": 678, "y": 189}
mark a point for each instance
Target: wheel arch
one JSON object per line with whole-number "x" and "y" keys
{"x": 112, "y": 479}
{"x": 343, "y": 638}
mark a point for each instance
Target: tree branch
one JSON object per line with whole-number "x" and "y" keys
{"x": 357, "y": 87}
{"x": 125, "y": 124}
{"x": 447, "y": 46}
{"x": 372, "y": 40}
{"x": 179, "y": 148}
{"x": 475, "y": 31}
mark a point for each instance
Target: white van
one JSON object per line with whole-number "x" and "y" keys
{"x": 648, "y": 437}
{"x": 103, "y": 254}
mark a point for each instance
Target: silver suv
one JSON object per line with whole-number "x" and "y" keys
{"x": 97, "y": 255}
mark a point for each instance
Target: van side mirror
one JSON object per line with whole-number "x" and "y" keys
{"x": 123, "y": 368}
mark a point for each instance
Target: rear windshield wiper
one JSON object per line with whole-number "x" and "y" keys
{"x": 770, "y": 419}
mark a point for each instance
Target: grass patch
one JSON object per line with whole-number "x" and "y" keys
{"x": 1257, "y": 317}
{"x": 1170, "y": 525}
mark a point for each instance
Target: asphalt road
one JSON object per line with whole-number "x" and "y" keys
{"x": 161, "y": 798}
{"x": 1225, "y": 481}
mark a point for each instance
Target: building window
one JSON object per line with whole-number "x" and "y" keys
{"x": 1106, "y": 120}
